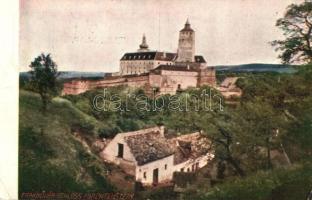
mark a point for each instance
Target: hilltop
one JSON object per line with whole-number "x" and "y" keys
{"x": 72, "y": 74}
{"x": 257, "y": 67}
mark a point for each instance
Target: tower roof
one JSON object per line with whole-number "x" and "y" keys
{"x": 144, "y": 45}
{"x": 187, "y": 26}
{"x": 187, "y": 21}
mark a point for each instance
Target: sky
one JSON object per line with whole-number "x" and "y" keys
{"x": 92, "y": 35}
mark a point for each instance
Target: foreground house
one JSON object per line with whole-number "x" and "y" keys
{"x": 152, "y": 158}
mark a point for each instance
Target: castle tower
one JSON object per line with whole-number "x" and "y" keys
{"x": 186, "y": 47}
{"x": 143, "y": 46}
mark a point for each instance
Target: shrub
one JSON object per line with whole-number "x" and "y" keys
{"x": 83, "y": 127}
{"x": 263, "y": 186}
{"x": 108, "y": 132}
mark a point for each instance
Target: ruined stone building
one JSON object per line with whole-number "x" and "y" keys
{"x": 166, "y": 71}
{"x": 152, "y": 158}
{"x": 229, "y": 89}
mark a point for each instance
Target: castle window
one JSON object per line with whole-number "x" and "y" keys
{"x": 182, "y": 169}
{"x": 165, "y": 166}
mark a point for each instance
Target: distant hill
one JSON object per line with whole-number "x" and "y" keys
{"x": 77, "y": 74}
{"x": 257, "y": 67}
{"x": 254, "y": 67}
{"x": 73, "y": 74}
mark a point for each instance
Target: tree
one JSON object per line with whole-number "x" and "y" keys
{"x": 43, "y": 78}
{"x": 297, "y": 27}
{"x": 265, "y": 122}
{"x": 226, "y": 137}
{"x": 224, "y": 149}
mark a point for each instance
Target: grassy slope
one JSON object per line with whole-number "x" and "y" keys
{"x": 50, "y": 157}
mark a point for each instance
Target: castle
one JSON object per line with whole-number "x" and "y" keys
{"x": 165, "y": 71}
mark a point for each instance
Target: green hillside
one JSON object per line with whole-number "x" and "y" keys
{"x": 280, "y": 184}
{"x": 50, "y": 157}
{"x": 245, "y": 139}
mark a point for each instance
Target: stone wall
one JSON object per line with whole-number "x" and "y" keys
{"x": 79, "y": 86}
{"x": 110, "y": 154}
{"x": 167, "y": 81}
{"x": 128, "y": 67}
{"x": 76, "y": 87}
{"x": 135, "y": 66}
{"x": 165, "y": 171}
{"x": 192, "y": 165}
{"x": 207, "y": 76}
{"x": 128, "y": 162}
{"x": 111, "y": 151}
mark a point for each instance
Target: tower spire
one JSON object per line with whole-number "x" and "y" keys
{"x": 187, "y": 25}
{"x": 143, "y": 46}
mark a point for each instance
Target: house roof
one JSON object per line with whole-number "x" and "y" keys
{"x": 164, "y": 56}
{"x": 174, "y": 68}
{"x": 187, "y": 26}
{"x": 189, "y": 146}
{"x": 157, "y": 55}
{"x": 149, "y": 55}
{"x": 200, "y": 59}
{"x": 148, "y": 147}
